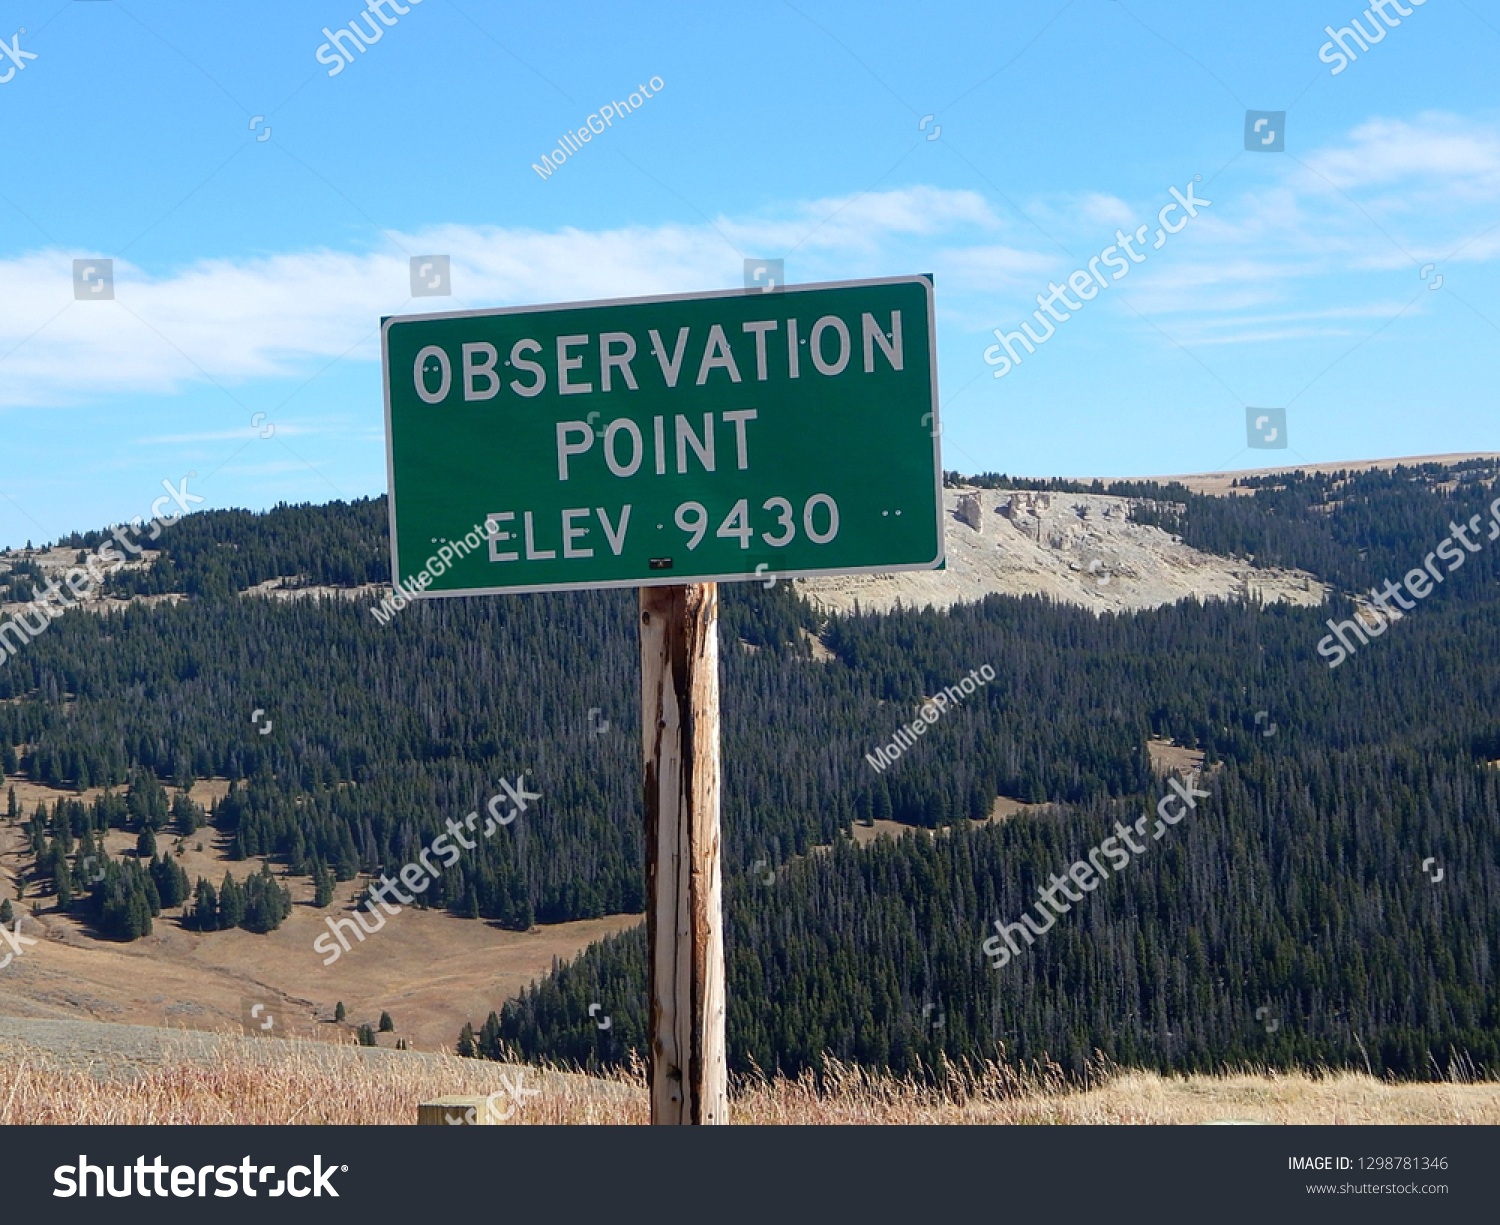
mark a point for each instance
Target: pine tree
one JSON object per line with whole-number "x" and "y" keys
{"x": 186, "y": 815}
{"x": 266, "y": 902}
{"x": 231, "y": 903}
{"x": 339, "y": 1012}
{"x": 145, "y": 843}
{"x": 466, "y": 1047}
{"x": 7, "y": 912}
{"x": 148, "y": 890}
{"x": 366, "y": 1036}
{"x": 322, "y": 885}
{"x": 170, "y": 880}
{"x": 140, "y": 914}
{"x": 387, "y": 1026}
{"x": 205, "y": 907}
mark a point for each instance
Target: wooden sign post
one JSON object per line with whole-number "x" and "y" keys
{"x": 684, "y": 911}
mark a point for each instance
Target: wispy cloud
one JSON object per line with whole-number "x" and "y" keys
{"x": 1323, "y": 247}
{"x": 1436, "y": 156}
{"x": 282, "y": 428}
{"x": 1340, "y": 222}
{"x": 284, "y": 315}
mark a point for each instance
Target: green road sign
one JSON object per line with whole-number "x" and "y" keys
{"x": 688, "y": 438}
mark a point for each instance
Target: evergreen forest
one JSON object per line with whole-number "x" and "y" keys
{"x": 1290, "y": 920}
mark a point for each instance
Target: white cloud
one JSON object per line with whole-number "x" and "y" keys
{"x": 862, "y": 223}
{"x": 1334, "y": 247}
{"x": 1430, "y": 183}
{"x": 282, "y": 428}
{"x": 992, "y": 267}
{"x": 1448, "y": 157}
{"x": 287, "y": 315}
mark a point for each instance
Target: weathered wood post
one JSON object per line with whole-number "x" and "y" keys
{"x": 684, "y": 911}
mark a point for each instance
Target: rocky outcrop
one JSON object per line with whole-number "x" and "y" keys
{"x": 970, "y": 511}
{"x": 1075, "y": 548}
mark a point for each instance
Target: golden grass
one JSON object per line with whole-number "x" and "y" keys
{"x": 299, "y": 1083}
{"x": 995, "y": 1094}
{"x": 295, "y": 1083}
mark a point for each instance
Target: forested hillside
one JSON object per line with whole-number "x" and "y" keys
{"x": 1286, "y": 923}
{"x": 1296, "y": 891}
{"x": 1292, "y": 920}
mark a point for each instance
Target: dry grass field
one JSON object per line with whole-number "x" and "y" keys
{"x": 431, "y": 971}
{"x": 1004, "y": 808}
{"x": 207, "y": 1079}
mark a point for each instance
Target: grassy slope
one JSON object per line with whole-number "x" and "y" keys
{"x": 84, "y": 1072}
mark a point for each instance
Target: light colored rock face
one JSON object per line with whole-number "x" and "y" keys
{"x": 55, "y": 564}
{"x": 1073, "y": 548}
{"x": 970, "y": 512}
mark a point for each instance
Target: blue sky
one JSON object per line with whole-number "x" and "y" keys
{"x": 251, "y": 270}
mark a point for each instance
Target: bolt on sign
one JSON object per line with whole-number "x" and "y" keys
{"x": 667, "y": 440}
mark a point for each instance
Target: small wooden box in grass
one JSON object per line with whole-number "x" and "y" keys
{"x": 457, "y": 1112}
